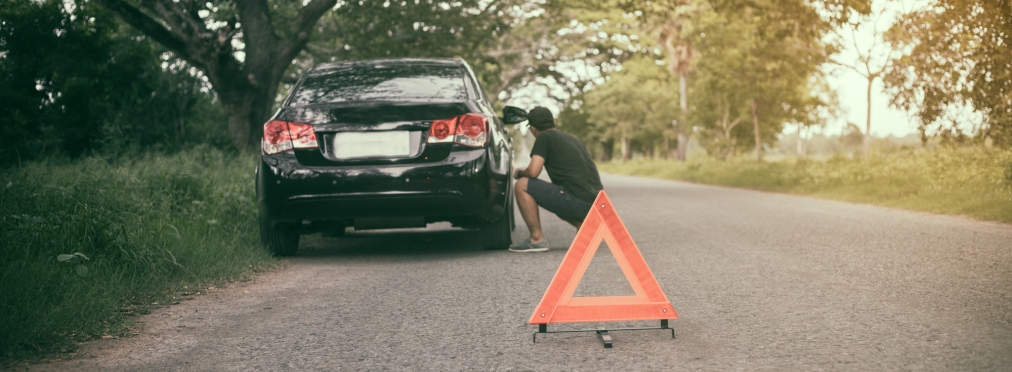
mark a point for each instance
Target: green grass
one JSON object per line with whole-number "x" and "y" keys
{"x": 148, "y": 230}
{"x": 975, "y": 182}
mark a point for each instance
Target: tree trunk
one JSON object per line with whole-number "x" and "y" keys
{"x": 607, "y": 149}
{"x": 866, "y": 143}
{"x": 683, "y": 100}
{"x": 625, "y": 148}
{"x": 758, "y": 136}
{"x": 730, "y": 148}
{"x": 240, "y": 113}
{"x": 667, "y": 147}
{"x": 248, "y": 109}
{"x": 801, "y": 141}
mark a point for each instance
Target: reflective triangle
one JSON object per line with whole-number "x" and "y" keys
{"x": 558, "y": 304}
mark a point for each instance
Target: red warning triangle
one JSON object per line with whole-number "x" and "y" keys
{"x": 558, "y": 304}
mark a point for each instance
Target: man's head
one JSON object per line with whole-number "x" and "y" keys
{"x": 540, "y": 119}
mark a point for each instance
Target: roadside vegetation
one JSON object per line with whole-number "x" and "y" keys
{"x": 86, "y": 244}
{"x": 970, "y": 181}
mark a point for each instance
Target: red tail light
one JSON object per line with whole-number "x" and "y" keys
{"x": 280, "y": 136}
{"x": 276, "y": 137}
{"x": 303, "y": 136}
{"x": 468, "y": 130}
{"x": 442, "y": 131}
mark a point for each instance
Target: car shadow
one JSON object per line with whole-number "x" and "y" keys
{"x": 434, "y": 241}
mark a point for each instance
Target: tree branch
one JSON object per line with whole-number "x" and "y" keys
{"x": 302, "y": 27}
{"x": 178, "y": 18}
{"x": 852, "y": 68}
{"x": 150, "y": 27}
{"x": 734, "y": 123}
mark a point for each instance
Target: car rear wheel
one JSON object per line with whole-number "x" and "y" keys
{"x": 279, "y": 240}
{"x": 497, "y": 235}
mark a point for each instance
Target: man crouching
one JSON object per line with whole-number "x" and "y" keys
{"x": 575, "y": 181}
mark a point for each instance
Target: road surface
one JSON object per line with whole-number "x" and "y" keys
{"x": 761, "y": 281}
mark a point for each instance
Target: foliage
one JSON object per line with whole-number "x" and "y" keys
{"x": 408, "y": 29}
{"x": 871, "y": 61}
{"x": 549, "y": 48}
{"x": 635, "y": 107}
{"x": 84, "y": 244}
{"x": 970, "y": 181}
{"x": 751, "y": 68}
{"x": 247, "y": 48}
{"x": 957, "y": 56}
{"x": 243, "y": 47}
{"x": 775, "y": 60}
{"x": 509, "y": 43}
{"x": 78, "y": 82}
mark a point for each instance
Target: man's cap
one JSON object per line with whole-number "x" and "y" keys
{"x": 541, "y": 118}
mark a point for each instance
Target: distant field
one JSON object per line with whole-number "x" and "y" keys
{"x": 975, "y": 182}
{"x": 86, "y": 244}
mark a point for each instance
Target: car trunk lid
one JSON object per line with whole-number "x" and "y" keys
{"x": 373, "y": 132}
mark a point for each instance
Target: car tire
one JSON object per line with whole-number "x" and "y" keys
{"x": 279, "y": 240}
{"x": 498, "y": 235}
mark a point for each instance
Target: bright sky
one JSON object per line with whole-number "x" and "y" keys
{"x": 885, "y": 120}
{"x": 851, "y": 86}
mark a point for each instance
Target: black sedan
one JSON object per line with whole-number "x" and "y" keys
{"x": 385, "y": 144}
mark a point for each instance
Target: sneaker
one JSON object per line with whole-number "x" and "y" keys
{"x": 527, "y": 246}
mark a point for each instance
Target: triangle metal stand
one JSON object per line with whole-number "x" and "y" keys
{"x": 602, "y": 332}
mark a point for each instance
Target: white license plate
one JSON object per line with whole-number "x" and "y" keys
{"x": 372, "y": 144}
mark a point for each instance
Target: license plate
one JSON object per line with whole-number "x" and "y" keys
{"x": 372, "y": 144}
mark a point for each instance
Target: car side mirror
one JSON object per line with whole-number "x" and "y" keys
{"x": 513, "y": 115}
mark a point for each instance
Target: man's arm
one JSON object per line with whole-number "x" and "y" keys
{"x": 533, "y": 170}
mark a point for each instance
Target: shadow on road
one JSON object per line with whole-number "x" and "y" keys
{"x": 432, "y": 242}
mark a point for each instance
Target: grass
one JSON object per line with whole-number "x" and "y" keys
{"x": 974, "y": 182}
{"x": 84, "y": 245}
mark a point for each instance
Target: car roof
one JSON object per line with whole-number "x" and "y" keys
{"x": 324, "y": 67}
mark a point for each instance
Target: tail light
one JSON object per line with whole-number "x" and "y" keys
{"x": 468, "y": 130}
{"x": 303, "y": 136}
{"x": 280, "y": 136}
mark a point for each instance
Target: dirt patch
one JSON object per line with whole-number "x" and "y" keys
{"x": 165, "y": 331}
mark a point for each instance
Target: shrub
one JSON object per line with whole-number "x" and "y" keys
{"x": 84, "y": 242}
{"x": 972, "y": 181}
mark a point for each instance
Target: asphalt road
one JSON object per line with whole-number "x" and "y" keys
{"x": 761, "y": 281}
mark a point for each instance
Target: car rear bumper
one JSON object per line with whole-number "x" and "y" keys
{"x": 454, "y": 188}
{"x": 379, "y": 204}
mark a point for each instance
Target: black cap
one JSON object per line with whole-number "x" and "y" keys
{"x": 541, "y": 118}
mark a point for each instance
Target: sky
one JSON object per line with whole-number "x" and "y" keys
{"x": 885, "y": 120}
{"x": 851, "y": 86}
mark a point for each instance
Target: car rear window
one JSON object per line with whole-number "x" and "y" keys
{"x": 382, "y": 83}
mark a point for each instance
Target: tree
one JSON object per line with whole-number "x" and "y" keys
{"x": 506, "y": 41}
{"x": 77, "y": 81}
{"x": 957, "y": 54}
{"x": 773, "y": 60}
{"x": 871, "y": 62}
{"x": 272, "y": 40}
{"x": 633, "y": 106}
{"x": 719, "y": 94}
{"x": 436, "y": 29}
{"x": 565, "y": 47}
{"x": 669, "y": 22}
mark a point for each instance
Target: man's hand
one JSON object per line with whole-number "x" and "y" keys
{"x": 533, "y": 169}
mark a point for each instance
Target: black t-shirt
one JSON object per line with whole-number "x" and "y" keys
{"x": 568, "y": 164}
